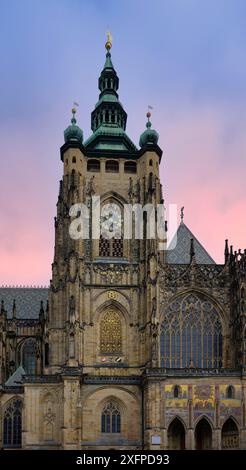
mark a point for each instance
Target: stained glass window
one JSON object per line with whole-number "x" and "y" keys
{"x": 111, "y": 421}
{"x": 191, "y": 334}
{"x": 110, "y": 333}
{"x": 12, "y": 424}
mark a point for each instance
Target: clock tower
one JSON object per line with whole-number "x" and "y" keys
{"x": 101, "y": 329}
{"x": 137, "y": 348}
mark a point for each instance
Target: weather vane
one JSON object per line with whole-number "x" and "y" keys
{"x": 148, "y": 114}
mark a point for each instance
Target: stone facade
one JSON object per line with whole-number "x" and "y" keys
{"x": 101, "y": 371}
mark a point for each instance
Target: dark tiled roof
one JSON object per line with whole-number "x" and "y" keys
{"x": 27, "y": 300}
{"x": 180, "y": 254}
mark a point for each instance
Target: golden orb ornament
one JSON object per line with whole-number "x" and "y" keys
{"x": 108, "y": 44}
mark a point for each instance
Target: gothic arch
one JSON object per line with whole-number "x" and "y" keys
{"x": 129, "y": 404}
{"x": 206, "y": 418}
{"x": 113, "y": 196}
{"x": 212, "y": 299}
{"x": 180, "y": 419}
{"x": 122, "y": 297}
{"x": 117, "y": 311}
{"x": 115, "y": 247}
{"x": 107, "y": 304}
{"x": 26, "y": 355}
{"x": 110, "y": 334}
{"x": 176, "y": 434}
{"x": 231, "y": 417}
{"x": 12, "y": 423}
{"x": 192, "y": 332}
{"x": 111, "y": 418}
{"x": 116, "y": 401}
{"x": 203, "y": 434}
{"x": 104, "y": 388}
{"x": 230, "y": 434}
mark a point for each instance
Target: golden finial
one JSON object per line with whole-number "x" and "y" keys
{"x": 108, "y": 44}
{"x": 74, "y": 108}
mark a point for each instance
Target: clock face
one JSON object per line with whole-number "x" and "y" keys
{"x": 110, "y": 221}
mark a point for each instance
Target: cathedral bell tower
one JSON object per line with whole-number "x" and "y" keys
{"x": 103, "y": 314}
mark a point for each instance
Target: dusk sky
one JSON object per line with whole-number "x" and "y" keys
{"x": 187, "y": 58}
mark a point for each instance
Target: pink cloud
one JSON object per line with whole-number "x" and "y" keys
{"x": 204, "y": 170}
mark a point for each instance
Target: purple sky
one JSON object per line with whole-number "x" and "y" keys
{"x": 184, "y": 57}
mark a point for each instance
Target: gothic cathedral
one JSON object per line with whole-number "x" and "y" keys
{"x": 132, "y": 346}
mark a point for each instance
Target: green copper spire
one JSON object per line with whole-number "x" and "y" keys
{"x": 108, "y": 120}
{"x": 149, "y": 136}
{"x": 73, "y": 132}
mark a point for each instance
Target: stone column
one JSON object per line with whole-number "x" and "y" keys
{"x": 190, "y": 437}
{"x": 72, "y": 422}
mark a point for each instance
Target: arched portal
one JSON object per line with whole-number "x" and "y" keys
{"x": 203, "y": 435}
{"x": 230, "y": 435}
{"x": 176, "y": 435}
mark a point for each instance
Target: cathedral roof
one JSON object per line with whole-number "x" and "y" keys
{"x": 179, "y": 253}
{"x": 15, "y": 379}
{"x": 27, "y": 300}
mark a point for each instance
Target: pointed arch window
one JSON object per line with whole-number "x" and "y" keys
{"x": 111, "y": 333}
{"x": 191, "y": 334}
{"x": 111, "y": 237}
{"x": 27, "y": 356}
{"x": 12, "y": 424}
{"x": 110, "y": 419}
{"x": 230, "y": 392}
